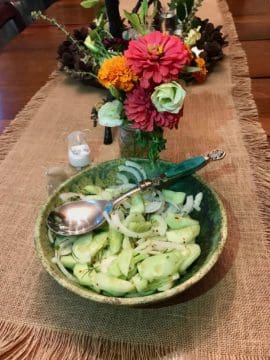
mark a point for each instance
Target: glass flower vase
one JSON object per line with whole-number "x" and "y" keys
{"x": 128, "y": 143}
{"x": 141, "y": 144}
{"x": 168, "y": 20}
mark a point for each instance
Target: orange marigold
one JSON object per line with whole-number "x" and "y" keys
{"x": 116, "y": 72}
{"x": 200, "y": 76}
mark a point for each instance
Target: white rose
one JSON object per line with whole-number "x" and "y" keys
{"x": 110, "y": 114}
{"x": 168, "y": 97}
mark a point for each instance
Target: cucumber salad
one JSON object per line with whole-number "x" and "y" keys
{"x": 145, "y": 245}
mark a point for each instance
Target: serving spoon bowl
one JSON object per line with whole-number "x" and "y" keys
{"x": 80, "y": 217}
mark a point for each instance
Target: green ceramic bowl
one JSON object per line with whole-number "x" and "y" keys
{"x": 212, "y": 237}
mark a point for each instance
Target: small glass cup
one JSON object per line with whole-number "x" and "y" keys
{"x": 78, "y": 149}
{"x": 56, "y": 175}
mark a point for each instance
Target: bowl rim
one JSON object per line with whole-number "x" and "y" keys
{"x": 132, "y": 301}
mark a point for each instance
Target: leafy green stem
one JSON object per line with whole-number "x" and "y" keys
{"x": 38, "y": 15}
{"x": 154, "y": 141}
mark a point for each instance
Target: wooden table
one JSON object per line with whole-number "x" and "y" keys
{"x": 27, "y": 61}
{"x": 252, "y": 21}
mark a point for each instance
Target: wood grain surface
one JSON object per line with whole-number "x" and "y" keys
{"x": 252, "y": 21}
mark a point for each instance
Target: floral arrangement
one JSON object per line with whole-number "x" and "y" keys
{"x": 143, "y": 60}
{"x": 144, "y": 82}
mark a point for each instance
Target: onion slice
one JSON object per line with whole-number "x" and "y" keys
{"x": 131, "y": 171}
{"x": 136, "y": 166}
{"x": 188, "y": 206}
{"x": 122, "y": 178}
{"x": 152, "y": 207}
{"x": 116, "y": 223}
{"x": 197, "y": 201}
{"x": 61, "y": 267}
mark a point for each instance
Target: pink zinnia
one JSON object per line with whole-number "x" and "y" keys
{"x": 156, "y": 58}
{"x": 140, "y": 109}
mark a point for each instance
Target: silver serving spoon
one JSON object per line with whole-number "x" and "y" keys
{"x": 80, "y": 217}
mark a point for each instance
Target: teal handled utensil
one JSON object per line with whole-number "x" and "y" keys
{"x": 80, "y": 217}
{"x": 191, "y": 165}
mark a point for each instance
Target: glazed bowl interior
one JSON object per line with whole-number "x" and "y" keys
{"x": 211, "y": 239}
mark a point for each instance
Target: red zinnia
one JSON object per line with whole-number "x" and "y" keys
{"x": 140, "y": 109}
{"x": 156, "y": 57}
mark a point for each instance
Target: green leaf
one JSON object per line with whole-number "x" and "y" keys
{"x": 90, "y": 44}
{"x": 93, "y": 34}
{"x": 154, "y": 141}
{"x": 189, "y": 4}
{"x": 87, "y": 4}
{"x": 135, "y": 22}
{"x": 143, "y": 11}
{"x": 115, "y": 92}
{"x": 191, "y": 69}
{"x": 183, "y": 8}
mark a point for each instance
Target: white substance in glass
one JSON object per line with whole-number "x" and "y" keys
{"x": 79, "y": 155}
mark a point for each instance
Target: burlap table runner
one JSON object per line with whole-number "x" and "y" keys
{"x": 225, "y": 316}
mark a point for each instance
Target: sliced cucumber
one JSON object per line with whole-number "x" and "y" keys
{"x": 106, "y": 263}
{"x": 159, "y": 266}
{"x": 86, "y": 277}
{"x": 134, "y": 217}
{"x": 86, "y": 247}
{"x": 126, "y": 243}
{"x": 106, "y": 195}
{"x": 137, "y": 204}
{"x": 81, "y": 248}
{"x": 166, "y": 283}
{"x": 124, "y": 259}
{"x": 176, "y": 221}
{"x": 113, "y": 269}
{"x": 159, "y": 225}
{"x": 139, "y": 227}
{"x": 115, "y": 241}
{"x": 175, "y": 197}
{"x": 132, "y": 271}
{"x": 194, "y": 253}
{"x": 140, "y": 294}
{"x": 138, "y": 258}
{"x": 68, "y": 261}
{"x": 91, "y": 190}
{"x": 185, "y": 235}
{"x": 139, "y": 282}
{"x": 136, "y": 222}
{"x": 99, "y": 241}
{"x": 92, "y": 197}
{"x": 166, "y": 286}
{"x": 113, "y": 285}
{"x": 82, "y": 273}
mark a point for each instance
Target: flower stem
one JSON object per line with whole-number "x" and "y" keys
{"x": 38, "y": 15}
{"x": 107, "y": 136}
